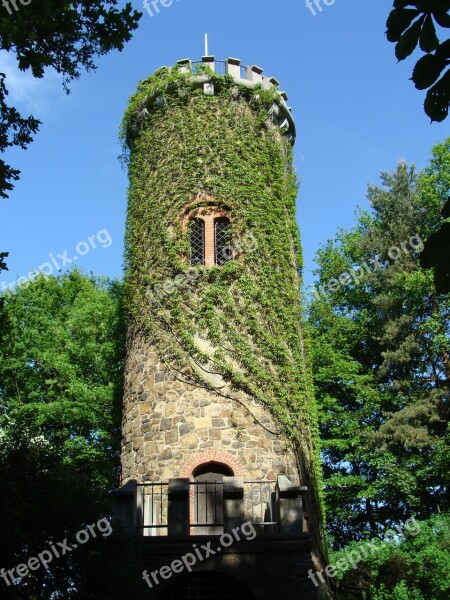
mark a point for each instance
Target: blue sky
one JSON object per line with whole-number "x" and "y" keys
{"x": 356, "y": 112}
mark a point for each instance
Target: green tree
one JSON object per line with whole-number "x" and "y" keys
{"x": 61, "y": 365}
{"x": 59, "y": 361}
{"x": 413, "y": 566}
{"x": 381, "y": 360}
{"x": 435, "y": 185}
{"x": 408, "y": 27}
{"x": 60, "y": 34}
{"x": 436, "y": 254}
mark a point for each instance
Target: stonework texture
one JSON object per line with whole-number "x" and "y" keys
{"x": 170, "y": 427}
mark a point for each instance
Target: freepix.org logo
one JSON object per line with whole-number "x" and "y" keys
{"x": 189, "y": 560}
{"x": 315, "y": 5}
{"x": 45, "y": 557}
{"x": 153, "y": 6}
{"x": 61, "y": 260}
{"x": 8, "y": 3}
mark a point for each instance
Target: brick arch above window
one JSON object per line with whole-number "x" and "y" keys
{"x": 216, "y": 456}
{"x": 203, "y": 202}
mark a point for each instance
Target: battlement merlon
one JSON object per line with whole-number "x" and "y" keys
{"x": 250, "y": 76}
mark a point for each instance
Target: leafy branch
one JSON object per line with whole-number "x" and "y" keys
{"x": 59, "y": 34}
{"x": 437, "y": 254}
{"x": 410, "y": 27}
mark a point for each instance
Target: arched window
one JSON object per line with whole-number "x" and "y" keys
{"x": 208, "y": 227}
{"x": 222, "y": 241}
{"x": 197, "y": 242}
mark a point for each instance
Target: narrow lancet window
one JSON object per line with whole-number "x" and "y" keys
{"x": 222, "y": 241}
{"x": 197, "y": 241}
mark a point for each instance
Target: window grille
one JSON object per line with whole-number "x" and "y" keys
{"x": 197, "y": 241}
{"x": 222, "y": 248}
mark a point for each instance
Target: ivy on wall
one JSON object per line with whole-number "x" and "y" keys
{"x": 181, "y": 145}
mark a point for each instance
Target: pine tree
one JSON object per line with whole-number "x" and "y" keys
{"x": 381, "y": 359}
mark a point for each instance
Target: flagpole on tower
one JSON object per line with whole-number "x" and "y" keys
{"x": 206, "y": 44}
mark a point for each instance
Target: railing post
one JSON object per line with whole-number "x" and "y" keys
{"x": 124, "y": 507}
{"x": 178, "y": 508}
{"x": 233, "y": 503}
{"x": 289, "y": 506}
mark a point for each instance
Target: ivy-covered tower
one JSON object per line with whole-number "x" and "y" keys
{"x": 217, "y": 384}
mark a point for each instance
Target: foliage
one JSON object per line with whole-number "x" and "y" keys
{"x": 435, "y": 184}
{"x": 409, "y": 27}
{"x": 59, "y": 361}
{"x": 61, "y": 364}
{"x": 3, "y": 266}
{"x": 185, "y": 144}
{"x": 58, "y": 34}
{"x": 381, "y": 361}
{"x": 14, "y": 131}
{"x": 437, "y": 254}
{"x": 409, "y": 568}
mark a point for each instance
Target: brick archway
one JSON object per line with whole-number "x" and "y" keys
{"x": 212, "y": 456}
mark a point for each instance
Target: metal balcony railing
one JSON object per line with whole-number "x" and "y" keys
{"x": 154, "y": 502}
{"x": 181, "y": 507}
{"x": 220, "y": 67}
{"x": 262, "y": 501}
{"x": 206, "y": 500}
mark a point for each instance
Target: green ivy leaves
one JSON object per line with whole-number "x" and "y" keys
{"x": 410, "y": 27}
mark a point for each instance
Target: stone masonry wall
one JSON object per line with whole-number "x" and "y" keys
{"x": 170, "y": 427}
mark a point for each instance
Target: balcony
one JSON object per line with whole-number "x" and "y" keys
{"x": 180, "y": 507}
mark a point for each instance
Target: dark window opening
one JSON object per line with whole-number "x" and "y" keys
{"x": 197, "y": 242}
{"x": 222, "y": 241}
{"x": 207, "y": 586}
{"x": 214, "y": 468}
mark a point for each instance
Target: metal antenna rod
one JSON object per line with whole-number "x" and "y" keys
{"x": 206, "y": 44}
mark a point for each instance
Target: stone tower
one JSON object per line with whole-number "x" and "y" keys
{"x": 218, "y": 413}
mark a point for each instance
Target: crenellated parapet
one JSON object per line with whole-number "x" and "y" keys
{"x": 211, "y": 76}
